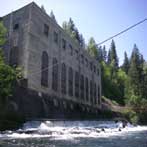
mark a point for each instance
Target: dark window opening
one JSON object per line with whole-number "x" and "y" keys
{"x": 77, "y": 53}
{"x": 82, "y": 86}
{"x": 63, "y": 44}
{"x": 63, "y": 79}
{"x": 87, "y": 89}
{"x": 44, "y": 69}
{"x": 86, "y": 61}
{"x": 55, "y": 37}
{"x": 70, "y": 81}
{"x": 98, "y": 95}
{"x": 16, "y": 26}
{"x": 98, "y": 72}
{"x": 91, "y": 66}
{"x": 91, "y": 91}
{"x": 95, "y": 96}
{"x": 94, "y": 67}
{"x": 77, "y": 85}
{"x": 82, "y": 59}
{"x": 55, "y": 75}
{"x": 46, "y": 29}
{"x": 71, "y": 50}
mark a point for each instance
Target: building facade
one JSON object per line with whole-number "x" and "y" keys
{"x": 52, "y": 62}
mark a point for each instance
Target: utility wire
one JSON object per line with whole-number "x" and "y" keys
{"x": 138, "y": 23}
{"x": 127, "y": 29}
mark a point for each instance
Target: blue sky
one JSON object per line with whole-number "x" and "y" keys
{"x": 99, "y": 19}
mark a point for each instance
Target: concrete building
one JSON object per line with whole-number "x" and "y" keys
{"x": 53, "y": 64}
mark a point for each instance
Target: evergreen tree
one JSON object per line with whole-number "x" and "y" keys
{"x": 125, "y": 65}
{"x": 76, "y": 35}
{"x": 136, "y": 72}
{"x": 82, "y": 41}
{"x": 72, "y": 30}
{"x": 92, "y": 48}
{"x": 104, "y": 54}
{"x": 113, "y": 55}
{"x": 71, "y": 26}
{"x": 109, "y": 58}
{"x": 100, "y": 54}
{"x": 65, "y": 26}
{"x": 145, "y": 81}
{"x": 52, "y": 16}
{"x": 43, "y": 9}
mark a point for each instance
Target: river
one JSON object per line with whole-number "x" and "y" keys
{"x": 75, "y": 133}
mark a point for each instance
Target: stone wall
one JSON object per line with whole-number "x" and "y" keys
{"x": 32, "y": 32}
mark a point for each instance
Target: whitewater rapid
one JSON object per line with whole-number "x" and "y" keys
{"x": 70, "y": 130}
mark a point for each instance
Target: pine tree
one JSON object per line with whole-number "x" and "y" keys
{"x": 145, "y": 81}
{"x": 43, "y": 9}
{"x": 113, "y": 55}
{"x": 100, "y": 54}
{"x": 92, "y": 48}
{"x": 82, "y": 41}
{"x": 73, "y": 31}
{"x": 71, "y": 26}
{"x": 125, "y": 65}
{"x": 53, "y": 16}
{"x": 64, "y": 25}
{"x": 109, "y": 58}
{"x": 136, "y": 72}
{"x": 104, "y": 53}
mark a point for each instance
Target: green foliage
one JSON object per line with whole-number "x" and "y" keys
{"x": 113, "y": 83}
{"x": 104, "y": 54}
{"x": 70, "y": 28}
{"x": 131, "y": 116}
{"x": 2, "y": 34}
{"x": 139, "y": 106}
{"x": 126, "y": 63}
{"x": 112, "y": 56}
{"x": 136, "y": 73}
{"x": 92, "y": 48}
{"x": 8, "y": 75}
{"x": 52, "y": 16}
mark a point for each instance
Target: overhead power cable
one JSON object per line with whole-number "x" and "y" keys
{"x": 127, "y": 29}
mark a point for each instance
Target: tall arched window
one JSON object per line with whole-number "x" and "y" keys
{"x": 70, "y": 82}
{"x": 98, "y": 95}
{"x": 63, "y": 79}
{"x": 77, "y": 84}
{"x": 82, "y": 86}
{"x": 91, "y": 91}
{"x": 55, "y": 75}
{"x": 95, "y": 96}
{"x": 87, "y": 89}
{"x": 44, "y": 69}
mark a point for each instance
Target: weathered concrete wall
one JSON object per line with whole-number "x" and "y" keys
{"x": 39, "y": 43}
{"x": 28, "y": 42}
{"x": 31, "y": 105}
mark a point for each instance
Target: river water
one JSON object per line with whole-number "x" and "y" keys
{"x": 75, "y": 133}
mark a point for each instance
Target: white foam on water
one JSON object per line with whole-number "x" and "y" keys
{"x": 71, "y": 130}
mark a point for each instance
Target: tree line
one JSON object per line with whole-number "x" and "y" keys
{"x": 126, "y": 83}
